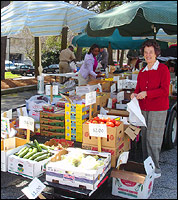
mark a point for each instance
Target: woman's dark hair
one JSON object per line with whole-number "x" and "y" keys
{"x": 151, "y": 43}
{"x": 94, "y": 46}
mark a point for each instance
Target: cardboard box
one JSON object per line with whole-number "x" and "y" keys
{"x": 132, "y": 131}
{"x": 8, "y": 147}
{"x": 56, "y": 116}
{"x": 101, "y": 101}
{"x": 52, "y": 134}
{"x": 52, "y": 122}
{"x": 114, "y": 136}
{"x": 115, "y": 152}
{"x": 133, "y": 180}
{"x": 75, "y": 176}
{"x": 25, "y": 167}
{"x": 106, "y": 85}
{"x": 122, "y": 113}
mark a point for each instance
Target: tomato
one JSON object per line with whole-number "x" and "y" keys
{"x": 117, "y": 123}
{"x": 103, "y": 120}
{"x": 111, "y": 120}
{"x": 94, "y": 122}
{"x": 96, "y": 118}
{"x": 111, "y": 124}
{"x": 102, "y": 123}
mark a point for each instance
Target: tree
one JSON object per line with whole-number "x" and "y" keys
{"x": 3, "y": 46}
{"x": 79, "y": 49}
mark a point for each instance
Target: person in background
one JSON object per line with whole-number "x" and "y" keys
{"x": 65, "y": 57}
{"x": 152, "y": 92}
{"x": 86, "y": 72}
{"x": 103, "y": 58}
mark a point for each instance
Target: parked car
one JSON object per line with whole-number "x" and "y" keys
{"x": 24, "y": 70}
{"x": 54, "y": 68}
{"x": 9, "y": 66}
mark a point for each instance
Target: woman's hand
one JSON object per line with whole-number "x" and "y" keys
{"x": 141, "y": 95}
{"x": 133, "y": 95}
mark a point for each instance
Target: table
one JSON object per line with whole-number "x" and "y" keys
{"x": 67, "y": 75}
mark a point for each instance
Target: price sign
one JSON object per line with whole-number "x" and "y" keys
{"x": 98, "y": 130}
{"x": 26, "y": 123}
{"x": 48, "y": 89}
{"x": 113, "y": 88}
{"x": 90, "y": 98}
{"x": 34, "y": 189}
{"x": 5, "y": 127}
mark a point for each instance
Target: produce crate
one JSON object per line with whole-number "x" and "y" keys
{"x": 101, "y": 101}
{"x": 106, "y": 85}
{"x": 56, "y": 115}
{"x": 76, "y": 176}
{"x": 52, "y": 124}
{"x": 115, "y": 152}
{"x": 75, "y": 116}
{"x": 25, "y": 167}
{"x": 115, "y": 136}
{"x": 8, "y": 147}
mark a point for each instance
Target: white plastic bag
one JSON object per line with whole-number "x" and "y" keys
{"x": 135, "y": 116}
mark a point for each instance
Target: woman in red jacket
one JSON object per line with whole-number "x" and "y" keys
{"x": 152, "y": 92}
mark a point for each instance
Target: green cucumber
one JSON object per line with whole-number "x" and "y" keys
{"x": 23, "y": 153}
{"x": 43, "y": 146}
{"x": 31, "y": 144}
{"x": 40, "y": 158}
{"x": 37, "y": 145}
{"x": 21, "y": 150}
{"x": 31, "y": 153}
{"x": 37, "y": 155}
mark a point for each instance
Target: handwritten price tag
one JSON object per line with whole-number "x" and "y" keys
{"x": 90, "y": 98}
{"x": 34, "y": 189}
{"x": 98, "y": 130}
{"x": 26, "y": 123}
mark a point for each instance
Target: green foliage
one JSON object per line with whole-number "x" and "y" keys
{"x": 49, "y": 57}
{"x": 50, "y": 51}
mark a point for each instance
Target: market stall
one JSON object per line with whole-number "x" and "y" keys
{"x": 78, "y": 136}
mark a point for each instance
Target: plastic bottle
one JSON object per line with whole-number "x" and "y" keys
{"x": 40, "y": 84}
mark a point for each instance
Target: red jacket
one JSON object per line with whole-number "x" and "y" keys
{"x": 156, "y": 83}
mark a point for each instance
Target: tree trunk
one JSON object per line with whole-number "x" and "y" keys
{"x": 118, "y": 56}
{"x": 110, "y": 56}
{"x": 3, "y": 46}
{"x": 122, "y": 58}
{"x": 64, "y": 38}
{"x": 79, "y": 49}
{"x": 37, "y": 55}
{"x": 79, "y": 54}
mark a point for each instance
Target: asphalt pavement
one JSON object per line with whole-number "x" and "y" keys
{"x": 164, "y": 187}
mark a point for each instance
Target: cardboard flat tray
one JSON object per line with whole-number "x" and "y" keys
{"x": 80, "y": 191}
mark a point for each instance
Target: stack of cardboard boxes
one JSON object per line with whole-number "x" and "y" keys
{"x": 52, "y": 124}
{"x": 75, "y": 116}
{"x": 115, "y": 143}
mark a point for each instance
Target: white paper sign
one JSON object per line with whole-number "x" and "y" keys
{"x": 113, "y": 88}
{"x": 48, "y": 89}
{"x": 34, "y": 189}
{"x": 5, "y": 127}
{"x": 98, "y": 130}
{"x": 109, "y": 103}
{"x": 120, "y": 96}
{"x": 7, "y": 114}
{"x": 90, "y": 98}
{"x": 26, "y": 123}
{"x": 55, "y": 89}
{"x": 122, "y": 158}
{"x": 23, "y": 113}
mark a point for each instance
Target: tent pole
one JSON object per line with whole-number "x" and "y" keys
{"x": 37, "y": 55}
